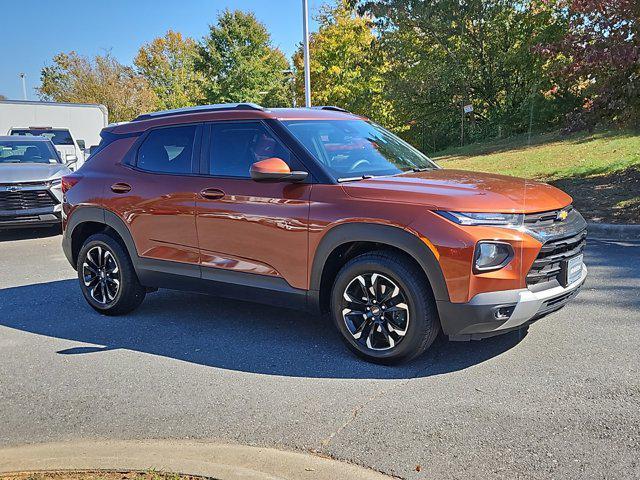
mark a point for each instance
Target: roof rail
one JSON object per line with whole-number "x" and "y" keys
{"x": 331, "y": 107}
{"x": 199, "y": 109}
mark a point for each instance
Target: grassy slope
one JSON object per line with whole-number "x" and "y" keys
{"x": 549, "y": 157}
{"x": 601, "y": 170}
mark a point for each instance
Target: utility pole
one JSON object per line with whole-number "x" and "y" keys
{"x": 305, "y": 33}
{"x": 464, "y": 86}
{"x": 24, "y": 86}
{"x": 462, "y": 124}
{"x": 291, "y": 80}
{"x": 533, "y": 93}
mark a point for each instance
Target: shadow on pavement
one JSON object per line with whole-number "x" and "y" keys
{"x": 15, "y": 234}
{"x": 221, "y": 333}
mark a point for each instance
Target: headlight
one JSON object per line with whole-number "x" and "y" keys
{"x": 482, "y": 218}
{"x": 491, "y": 256}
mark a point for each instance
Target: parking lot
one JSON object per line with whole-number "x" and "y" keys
{"x": 562, "y": 401}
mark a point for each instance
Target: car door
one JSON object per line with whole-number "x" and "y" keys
{"x": 155, "y": 194}
{"x": 245, "y": 226}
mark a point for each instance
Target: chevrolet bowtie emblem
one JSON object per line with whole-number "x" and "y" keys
{"x": 13, "y": 188}
{"x": 562, "y": 215}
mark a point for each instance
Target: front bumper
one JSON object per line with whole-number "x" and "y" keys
{"x": 477, "y": 318}
{"x": 35, "y": 217}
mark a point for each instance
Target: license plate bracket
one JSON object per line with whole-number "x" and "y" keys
{"x": 571, "y": 270}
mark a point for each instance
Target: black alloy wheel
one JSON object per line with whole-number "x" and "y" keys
{"x": 375, "y": 311}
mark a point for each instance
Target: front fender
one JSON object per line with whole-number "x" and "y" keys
{"x": 385, "y": 234}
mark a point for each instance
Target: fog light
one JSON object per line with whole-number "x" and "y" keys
{"x": 492, "y": 256}
{"x": 503, "y": 313}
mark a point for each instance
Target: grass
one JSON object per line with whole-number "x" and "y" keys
{"x": 98, "y": 475}
{"x": 601, "y": 170}
{"x": 550, "y": 156}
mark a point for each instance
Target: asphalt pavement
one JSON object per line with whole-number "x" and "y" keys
{"x": 562, "y": 401}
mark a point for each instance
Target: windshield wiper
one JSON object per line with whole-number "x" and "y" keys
{"x": 354, "y": 179}
{"x": 423, "y": 169}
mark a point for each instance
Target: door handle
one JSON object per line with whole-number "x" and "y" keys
{"x": 120, "y": 187}
{"x": 212, "y": 193}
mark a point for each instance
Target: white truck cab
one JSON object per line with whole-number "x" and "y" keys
{"x": 70, "y": 149}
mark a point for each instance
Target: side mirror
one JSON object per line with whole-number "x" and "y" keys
{"x": 275, "y": 170}
{"x": 70, "y": 159}
{"x": 81, "y": 144}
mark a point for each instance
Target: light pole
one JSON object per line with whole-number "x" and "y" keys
{"x": 24, "y": 86}
{"x": 305, "y": 33}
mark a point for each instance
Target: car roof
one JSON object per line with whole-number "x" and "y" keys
{"x": 35, "y": 138}
{"x": 228, "y": 111}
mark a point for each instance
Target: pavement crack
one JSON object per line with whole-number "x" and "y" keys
{"x": 356, "y": 411}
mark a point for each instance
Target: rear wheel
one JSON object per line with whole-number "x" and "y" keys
{"x": 383, "y": 307}
{"x": 107, "y": 278}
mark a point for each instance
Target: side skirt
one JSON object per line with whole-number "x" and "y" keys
{"x": 243, "y": 286}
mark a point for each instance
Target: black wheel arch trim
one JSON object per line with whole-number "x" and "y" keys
{"x": 385, "y": 234}
{"x": 97, "y": 215}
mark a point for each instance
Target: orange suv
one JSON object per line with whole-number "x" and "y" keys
{"x": 323, "y": 210}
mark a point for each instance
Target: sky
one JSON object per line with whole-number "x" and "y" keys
{"x": 33, "y": 32}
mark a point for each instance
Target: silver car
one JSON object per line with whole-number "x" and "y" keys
{"x": 31, "y": 173}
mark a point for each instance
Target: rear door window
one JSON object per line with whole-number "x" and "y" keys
{"x": 168, "y": 150}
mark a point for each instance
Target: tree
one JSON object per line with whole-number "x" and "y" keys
{"x": 2, "y": 97}
{"x": 600, "y": 56}
{"x": 78, "y": 79}
{"x": 239, "y": 64}
{"x": 347, "y": 66}
{"x": 448, "y": 53}
{"x": 168, "y": 64}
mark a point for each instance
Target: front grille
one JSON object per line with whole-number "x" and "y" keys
{"x": 545, "y": 219}
{"x": 25, "y": 184}
{"x": 548, "y": 265}
{"x": 26, "y": 200}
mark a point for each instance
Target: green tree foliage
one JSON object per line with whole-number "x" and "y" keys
{"x": 448, "y": 53}
{"x": 347, "y": 65}
{"x": 168, "y": 64}
{"x": 239, "y": 64}
{"x": 74, "y": 78}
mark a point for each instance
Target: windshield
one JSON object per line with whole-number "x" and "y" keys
{"x": 58, "y": 137}
{"x": 25, "y": 151}
{"x": 357, "y": 148}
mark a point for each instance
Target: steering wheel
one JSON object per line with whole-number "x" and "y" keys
{"x": 358, "y": 163}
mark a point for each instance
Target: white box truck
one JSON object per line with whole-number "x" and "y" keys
{"x": 72, "y": 127}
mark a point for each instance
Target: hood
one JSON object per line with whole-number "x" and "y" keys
{"x": 31, "y": 172}
{"x": 462, "y": 191}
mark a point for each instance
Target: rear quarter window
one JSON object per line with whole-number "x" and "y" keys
{"x": 168, "y": 150}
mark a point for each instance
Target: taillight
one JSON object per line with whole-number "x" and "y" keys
{"x": 69, "y": 181}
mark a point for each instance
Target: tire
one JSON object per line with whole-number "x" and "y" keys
{"x": 412, "y": 326}
{"x": 114, "y": 289}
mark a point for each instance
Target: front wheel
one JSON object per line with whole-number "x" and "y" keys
{"x": 107, "y": 278}
{"x": 382, "y": 305}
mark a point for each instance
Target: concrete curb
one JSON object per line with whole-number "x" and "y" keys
{"x": 219, "y": 461}
{"x": 612, "y": 231}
